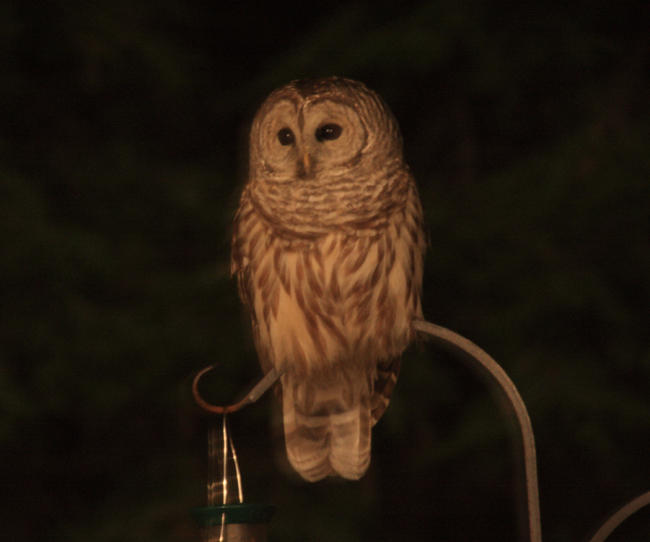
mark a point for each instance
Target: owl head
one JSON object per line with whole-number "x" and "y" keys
{"x": 320, "y": 128}
{"x": 325, "y": 154}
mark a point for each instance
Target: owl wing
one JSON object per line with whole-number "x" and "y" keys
{"x": 246, "y": 238}
{"x": 387, "y": 373}
{"x": 239, "y": 260}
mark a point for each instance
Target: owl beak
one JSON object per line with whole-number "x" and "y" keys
{"x": 305, "y": 165}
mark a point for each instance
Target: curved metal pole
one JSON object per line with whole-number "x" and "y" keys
{"x": 620, "y": 516}
{"x": 253, "y": 395}
{"x": 460, "y": 345}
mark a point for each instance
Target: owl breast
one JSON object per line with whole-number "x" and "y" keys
{"x": 325, "y": 297}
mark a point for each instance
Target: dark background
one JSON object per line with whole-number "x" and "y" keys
{"x": 123, "y": 148}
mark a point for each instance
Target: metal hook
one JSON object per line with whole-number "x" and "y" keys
{"x": 253, "y": 395}
{"x": 458, "y": 344}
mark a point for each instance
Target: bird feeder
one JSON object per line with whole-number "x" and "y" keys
{"x": 226, "y": 516}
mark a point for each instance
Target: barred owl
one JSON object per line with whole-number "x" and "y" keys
{"x": 328, "y": 252}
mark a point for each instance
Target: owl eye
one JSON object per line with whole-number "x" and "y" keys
{"x": 328, "y": 132}
{"x": 285, "y": 136}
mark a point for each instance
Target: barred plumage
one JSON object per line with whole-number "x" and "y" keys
{"x": 328, "y": 251}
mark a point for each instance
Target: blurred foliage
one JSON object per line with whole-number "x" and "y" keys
{"x": 121, "y": 158}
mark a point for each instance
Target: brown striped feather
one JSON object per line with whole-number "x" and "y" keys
{"x": 331, "y": 271}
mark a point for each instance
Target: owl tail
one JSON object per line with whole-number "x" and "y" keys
{"x": 327, "y": 426}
